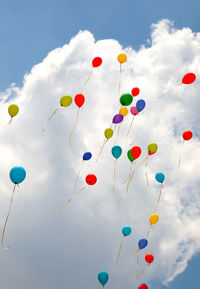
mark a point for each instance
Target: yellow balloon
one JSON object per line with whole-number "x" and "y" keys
{"x": 153, "y": 219}
{"x": 123, "y": 111}
{"x": 13, "y": 110}
{"x": 108, "y": 133}
{"x": 152, "y": 148}
{"x": 122, "y": 57}
{"x": 65, "y": 100}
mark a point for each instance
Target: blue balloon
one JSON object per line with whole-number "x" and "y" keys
{"x": 140, "y": 105}
{"x": 116, "y": 151}
{"x": 126, "y": 230}
{"x": 142, "y": 243}
{"x": 87, "y": 156}
{"x": 103, "y": 277}
{"x": 17, "y": 175}
{"x": 160, "y": 177}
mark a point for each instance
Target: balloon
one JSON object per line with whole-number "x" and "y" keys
{"x": 65, "y": 100}
{"x": 79, "y": 99}
{"x": 188, "y": 78}
{"x": 134, "y": 110}
{"x": 17, "y": 175}
{"x": 118, "y": 118}
{"x": 135, "y": 91}
{"x": 122, "y": 58}
{"x": 142, "y": 243}
{"x": 152, "y": 148}
{"x": 126, "y": 230}
{"x": 103, "y": 277}
{"x": 160, "y": 177}
{"x": 143, "y": 286}
{"x": 140, "y": 105}
{"x": 136, "y": 152}
{"x": 187, "y": 135}
{"x": 126, "y": 99}
{"x": 87, "y": 156}
{"x": 149, "y": 258}
{"x": 13, "y": 110}
{"x": 96, "y": 62}
{"x": 123, "y": 111}
{"x": 108, "y": 133}
{"x": 116, "y": 151}
{"x": 129, "y": 155}
{"x": 153, "y": 219}
{"x": 91, "y": 179}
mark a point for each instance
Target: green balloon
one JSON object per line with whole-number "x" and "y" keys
{"x": 129, "y": 155}
{"x": 126, "y": 99}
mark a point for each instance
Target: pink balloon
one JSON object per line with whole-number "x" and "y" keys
{"x": 134, "y": 110}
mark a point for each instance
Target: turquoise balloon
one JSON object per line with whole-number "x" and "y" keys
{"x": 17, "y": 175}
{"x": 126, "y": 230}
{"x": 160, "y": 177}
{"x": 116, "y": 151}
{"x": 103, "y": 277}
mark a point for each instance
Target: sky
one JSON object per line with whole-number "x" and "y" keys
{"x": 39, "y": 64}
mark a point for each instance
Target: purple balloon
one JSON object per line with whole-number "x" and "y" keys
{"x": 118, "y": 118}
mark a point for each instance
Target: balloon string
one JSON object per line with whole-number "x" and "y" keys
{"x": 59, "y": 209}
{"x": 137, "y": 251}
{"x": 10, "y": 121}
{"x": 4, "y": 228}
{"x": 43, "y": 130}
{"x": 161, "y": 187}
{"x": 139, "y": 165}
{"x": 170, "y": 90}
{"x": 119, "y": 201}
{"x": 137, "y": 261}
{"x": 181, "y": 148}
{"x": 132, "y": 285}
{"x": 149, "y": 230}
{"x": 117, "y": 133}
{"x": 115, "y": 162}
{"x": 101, "y": 149}
{"x": 127, "y": 188}
{"x": 137, "y": 132}
{"x": 120, "y": 72}
{"x": 77, "y": 116}
{"x": 137, "y": 267}
{"x": 146, "y": 173}
{"x": 84, "y": 84}
{"x": 130, "y": 127}
{"x": 119, "y": 251}
{"x": 77, "y": 177}
{"x": 145, "y": 268}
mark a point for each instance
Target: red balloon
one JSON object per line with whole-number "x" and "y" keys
{"x": 151, "y": 153}
{"x": 135, "y": 152}
{"x": 189, "y": 78}
{"x": 91, "y": 179}
{"x": 187, "y": 135}
{"x": 149, "y": 258}
{"x": 96, "y": 62}
{"x": 143, "y": 286}
{"x": 135, "y": 91}
{"x": 79, "y": 99}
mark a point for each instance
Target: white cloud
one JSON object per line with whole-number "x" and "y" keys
{"x": 55, "y": 250}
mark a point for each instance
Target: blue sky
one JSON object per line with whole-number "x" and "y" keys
{"x": 31, "y": 29}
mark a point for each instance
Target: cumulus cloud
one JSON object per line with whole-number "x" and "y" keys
{"x": 69, "y": 248}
